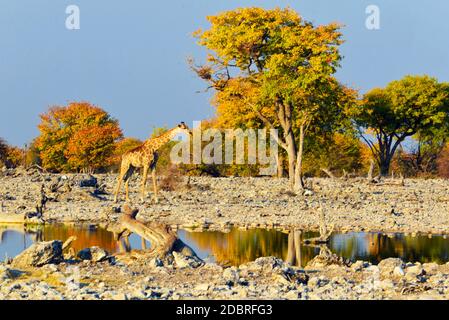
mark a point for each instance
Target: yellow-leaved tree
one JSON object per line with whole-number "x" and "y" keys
{"x": 272, "y": 68}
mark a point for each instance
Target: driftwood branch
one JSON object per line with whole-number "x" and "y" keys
{"x": 161, "y": 237}
{"x": 68, "y": 242}
{"x": 164, "y": 241}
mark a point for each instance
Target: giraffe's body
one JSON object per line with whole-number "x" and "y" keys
{"x": 145, "y": 157}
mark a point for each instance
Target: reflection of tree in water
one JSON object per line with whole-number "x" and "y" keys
{"x": 374, "y": 247}
{"x": 422, "y": 248}
{"x": 86, "y": 237}
{"x": 238, "y": 247}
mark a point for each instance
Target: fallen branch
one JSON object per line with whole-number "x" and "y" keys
{"x": 163, "y": 239}
{"x": 68, "y": 242}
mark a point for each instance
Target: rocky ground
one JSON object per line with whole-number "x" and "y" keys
{"x": 266, "y": 278}
{"x": 411, "y": 206}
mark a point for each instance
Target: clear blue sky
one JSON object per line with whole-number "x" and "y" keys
{"x": 129, "y": 57}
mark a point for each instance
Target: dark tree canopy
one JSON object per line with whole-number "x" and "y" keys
{"x": 405, "y": 108}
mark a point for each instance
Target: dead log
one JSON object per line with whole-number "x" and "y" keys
{"x": 164, "y": 241}
{"x": 68, "y": 242}
{"x": 161, "y": 237}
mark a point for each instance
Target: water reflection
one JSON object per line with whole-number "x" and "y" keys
{"x": 237, "y": 247}
{"x": 240, "y": 246}
{"x": 15, "y": 238}
{"x": 376, "y": 246}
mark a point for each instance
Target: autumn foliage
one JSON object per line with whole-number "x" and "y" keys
{"x": 275, "y": 69}
{"x": 3, "y": 151}
{"x": 270, "y": 68}
{"x": 10, "y": 156}
{"x": 78, "y": 137}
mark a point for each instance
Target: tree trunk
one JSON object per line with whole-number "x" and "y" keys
{"x": 280, "y": 165}
{"x": 291, "y": 151}
{"x": 299, "y": 183}
{"x": 162, "y": 238}
{"x": 385, "y": 167}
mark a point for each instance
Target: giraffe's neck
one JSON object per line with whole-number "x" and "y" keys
{"x": 158, "y": 142}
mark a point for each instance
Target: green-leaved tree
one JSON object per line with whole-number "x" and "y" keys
{"x": 403, "y": 109}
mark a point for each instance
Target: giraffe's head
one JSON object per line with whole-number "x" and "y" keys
{"x": 182, "y": 127}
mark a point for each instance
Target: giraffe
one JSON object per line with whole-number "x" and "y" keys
{"x": 145, "y": 157}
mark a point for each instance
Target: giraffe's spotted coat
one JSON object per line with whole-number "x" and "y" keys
{"x": 145, "y": 157}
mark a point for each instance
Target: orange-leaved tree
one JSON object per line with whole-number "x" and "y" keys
{"x": 77, "y": 137}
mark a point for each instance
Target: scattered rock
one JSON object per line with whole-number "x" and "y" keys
{"x": 231, "y": 275}
{"x": 324, "y": 259}
{"x": 183, "y": 261}
{"x": 416, "y": 270}
{"x": 398, "y": 271}
{"x": 202, "y": 287}
{"x": 156, "y": 262}
{"x": 85, "y": 181}
{"x": 39, "y": 254}
{"x": 266, "y": 264}
{"x": 359, "y": 265}
{"x": 388, "y": 267}
{"x": 5, "y": 273}
{"x": 318, "y": 282}
{"x": 430, "y": 268}
{"x": 94, "y": 254}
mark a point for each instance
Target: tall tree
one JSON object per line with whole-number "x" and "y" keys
{"x": 403, "y": 109}
{"x": 276, "y": 69}
{"x": 77, "y": 137}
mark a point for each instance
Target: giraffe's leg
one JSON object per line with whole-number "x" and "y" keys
{"x": 127, "y": 178}
{"x": 144, "y": 181}
{"x": 127, "y": 189}
{"x": 153, "y": 175}
{"x": 123, "y": 170}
